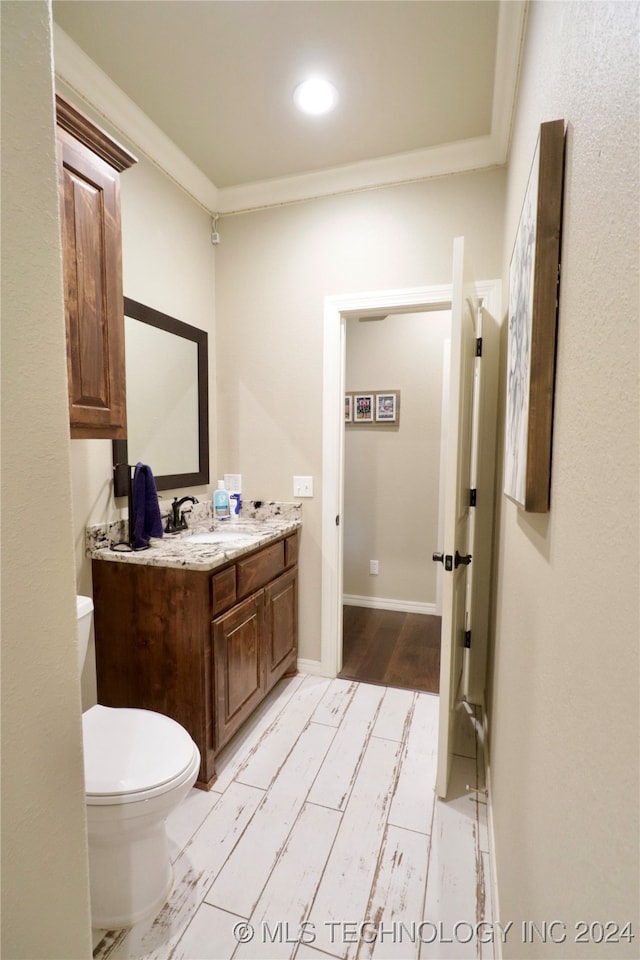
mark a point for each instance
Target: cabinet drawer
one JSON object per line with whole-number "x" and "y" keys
{"x": 255, "y": 571}
{"x": 223, "y": 589}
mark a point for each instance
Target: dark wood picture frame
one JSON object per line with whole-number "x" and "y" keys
{"x": 534, "y": 277}
{"x": 162, "y": 321}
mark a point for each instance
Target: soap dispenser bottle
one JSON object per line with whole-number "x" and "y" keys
{"x": 221, "y": 510}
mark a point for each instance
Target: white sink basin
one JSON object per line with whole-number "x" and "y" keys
{"x": 220, "y": 536}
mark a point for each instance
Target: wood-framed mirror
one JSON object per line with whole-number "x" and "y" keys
{"x": 167, "y": 400}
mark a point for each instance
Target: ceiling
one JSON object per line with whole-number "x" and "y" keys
{"x": 417, "y": 81}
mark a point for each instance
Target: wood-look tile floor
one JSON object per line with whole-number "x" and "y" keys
{"x": 390, "y": 647}
{"x": 323, "y": 838}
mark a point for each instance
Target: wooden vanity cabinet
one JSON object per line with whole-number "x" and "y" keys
{"x": 89, "y": 167}
{"x": 202, "y": 647}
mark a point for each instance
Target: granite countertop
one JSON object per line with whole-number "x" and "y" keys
{"x": 256, "y": 527}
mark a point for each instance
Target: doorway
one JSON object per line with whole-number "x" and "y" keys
{"x": 394, "y": 415}
{"x": 337, "y": 310}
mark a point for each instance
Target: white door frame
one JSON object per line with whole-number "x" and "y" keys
{"x": 337, "y": 309}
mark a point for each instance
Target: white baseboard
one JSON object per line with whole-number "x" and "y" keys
{"x": 314, "y": 667}
{"x": 495, "y": 899}
{"x": 378, "y": 603}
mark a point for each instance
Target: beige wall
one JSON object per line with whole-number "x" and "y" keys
{"x": 167, "y": 263}
{"x": 392, "y": 475}
{"x": 45, "y": 895}
{"x": 564, "y": 705}
{"x": 274, "y": 269}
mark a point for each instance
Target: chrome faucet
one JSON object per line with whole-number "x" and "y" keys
{"x": 176, "y": 519}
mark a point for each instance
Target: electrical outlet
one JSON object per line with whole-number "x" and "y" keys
{"x": 373, "y": 566}
{"x": 303, "y": 486}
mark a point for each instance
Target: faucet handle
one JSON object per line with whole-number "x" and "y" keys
{"x": 170, "y": 526}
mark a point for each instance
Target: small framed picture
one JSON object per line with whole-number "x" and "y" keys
{"x": 348, "y": 408}
{"x": 363, "y": 407}
{"x": 386, "y": 407}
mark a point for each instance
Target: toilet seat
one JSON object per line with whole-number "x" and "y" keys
{"x": 132, "y": 755}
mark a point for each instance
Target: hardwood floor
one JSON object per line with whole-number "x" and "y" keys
{"x": 323, "y": 839}
{"x": 392, "y": 648}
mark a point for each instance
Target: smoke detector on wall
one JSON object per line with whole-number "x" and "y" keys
{"x": 215, "y": 236}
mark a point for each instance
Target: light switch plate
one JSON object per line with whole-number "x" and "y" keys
{"x": 233, "y": 482}
{"x": 303, "y": 486}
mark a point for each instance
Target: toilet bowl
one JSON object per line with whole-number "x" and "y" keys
{"x": 139, "y": 765}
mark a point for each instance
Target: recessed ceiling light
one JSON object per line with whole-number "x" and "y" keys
{"x": 315, "y": 96}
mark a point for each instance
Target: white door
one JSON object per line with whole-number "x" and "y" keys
{"x": 470, "y": 670}
{"x": 456, "y": 551}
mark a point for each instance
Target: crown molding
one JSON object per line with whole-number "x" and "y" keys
{"x": 464, "y": 155}
{"x": 85, "y": 78}
{"x": 512, "y": 20}
{"x": 74, "y": 68}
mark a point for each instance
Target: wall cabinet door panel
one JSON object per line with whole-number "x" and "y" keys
{"x": 89, "y": 165}
{"x": 93, "y": 294}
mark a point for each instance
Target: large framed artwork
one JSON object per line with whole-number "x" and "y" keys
{"x": 534, "y": 277}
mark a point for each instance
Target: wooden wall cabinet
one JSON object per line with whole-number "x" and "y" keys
{"x": 89, "y": 167}
{"x": 202, "y": 647}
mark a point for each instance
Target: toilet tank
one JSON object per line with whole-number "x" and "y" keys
{"x": 84, "y": 611}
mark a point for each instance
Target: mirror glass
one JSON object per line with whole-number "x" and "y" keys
{"x": 167, "y": 400}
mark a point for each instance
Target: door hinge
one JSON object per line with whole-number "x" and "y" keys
{"x": 473, "y": 496}
{"x": 467, "y": 639}
{"x": 478, "y": 346}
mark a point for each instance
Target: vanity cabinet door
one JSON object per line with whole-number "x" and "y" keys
{"x": 281, "y": 626}
{"x": 89, "y": 164}
{"x": 238, "y": 665}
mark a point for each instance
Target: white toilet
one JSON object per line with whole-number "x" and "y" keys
{"x": 139, "y": 766}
